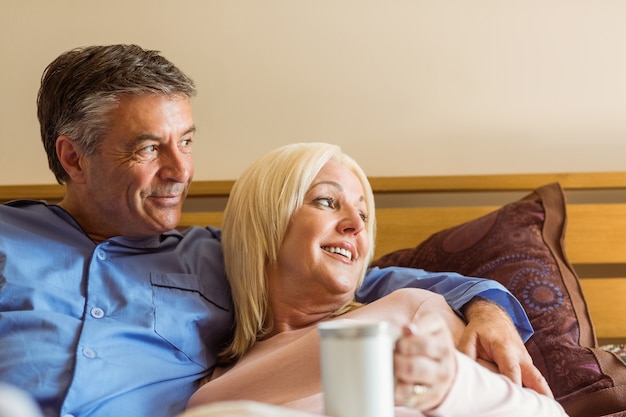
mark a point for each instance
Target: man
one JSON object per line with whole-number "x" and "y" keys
{"x": 105, "y": 309}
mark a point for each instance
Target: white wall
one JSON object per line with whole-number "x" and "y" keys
{"x": 406, "y": 87}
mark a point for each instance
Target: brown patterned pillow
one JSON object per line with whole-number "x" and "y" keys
{"x": 521, "y": 246}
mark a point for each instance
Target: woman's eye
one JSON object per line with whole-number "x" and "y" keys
{"x": 325, "y": 202}
{"x": 363, "y": 217}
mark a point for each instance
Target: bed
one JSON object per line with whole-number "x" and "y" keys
{"x": 556, "y": 240}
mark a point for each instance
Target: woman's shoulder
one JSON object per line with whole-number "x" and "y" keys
{"x": 413, "y": 296}
{"x": 401, "y": 306}
{"x": 409, "y": 305}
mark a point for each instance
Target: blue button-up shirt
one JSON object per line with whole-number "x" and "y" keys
{"x": 124, "y": 327}
{"x": 129, "y": 326}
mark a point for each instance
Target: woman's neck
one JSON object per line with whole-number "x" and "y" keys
{"x": 287, "y": 318}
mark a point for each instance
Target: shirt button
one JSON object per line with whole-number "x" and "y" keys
{"x": 89, "y": 353}
{"x": 97, "y": 313}
{"x": 101, "y": 255}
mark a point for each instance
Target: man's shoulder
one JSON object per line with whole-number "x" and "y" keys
{"x": 24, "y": 204}
{"x": 22, "y": 211}
{"x": 197, "y": 232}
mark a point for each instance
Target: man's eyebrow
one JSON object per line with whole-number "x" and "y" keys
{"x": 149, "y": 136}
{"x": 192, "y": 129}
{"x": 144, "y": 137}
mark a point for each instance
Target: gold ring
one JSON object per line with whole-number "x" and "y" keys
{"x": 417, "y": 393}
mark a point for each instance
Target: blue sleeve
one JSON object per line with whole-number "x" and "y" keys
{"x": 457, "y": 289}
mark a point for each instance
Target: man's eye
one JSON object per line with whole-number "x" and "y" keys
{"x": 186, "y": 143}
{"x": 147, "y": 152}
{"x": 148, "y": 149}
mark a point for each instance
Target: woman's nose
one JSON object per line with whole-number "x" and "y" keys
{"x": 352, "y": 221}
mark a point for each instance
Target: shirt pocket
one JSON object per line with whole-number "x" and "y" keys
{"x": 186, "y": 311}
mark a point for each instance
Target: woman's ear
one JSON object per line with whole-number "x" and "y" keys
{"x": 70, "y": 157}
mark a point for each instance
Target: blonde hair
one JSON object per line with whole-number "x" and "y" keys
{"x": 256, "y": 217}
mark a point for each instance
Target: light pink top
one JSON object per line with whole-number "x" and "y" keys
{"x": 285, "y": 369}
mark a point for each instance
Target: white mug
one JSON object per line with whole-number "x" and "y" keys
{"x": 357, "y": 368}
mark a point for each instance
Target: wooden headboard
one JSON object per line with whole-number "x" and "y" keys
{"x": 409, "y": 209}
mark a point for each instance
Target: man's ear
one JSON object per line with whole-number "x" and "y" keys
{"x": 70, "y": 157}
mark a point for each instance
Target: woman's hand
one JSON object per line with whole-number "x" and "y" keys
{"x": 424, "y": 363}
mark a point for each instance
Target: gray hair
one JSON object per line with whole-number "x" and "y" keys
{"x": 80, "y": 88}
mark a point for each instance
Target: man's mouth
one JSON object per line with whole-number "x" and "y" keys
{"x": 340, "y": 251}
{"x": 167, "y": 200}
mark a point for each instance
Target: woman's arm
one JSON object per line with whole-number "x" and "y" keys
{"x": 490, "y": 334}
{"x": 458, "y": 290}
{"x": 449, "y": 383}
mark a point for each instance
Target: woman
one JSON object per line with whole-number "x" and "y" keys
{"x": 298, "y": 235}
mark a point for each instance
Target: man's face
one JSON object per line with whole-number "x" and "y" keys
{"x": 136, "y": 182}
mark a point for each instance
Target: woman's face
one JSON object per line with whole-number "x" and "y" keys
{"x": 326, "y": 244}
